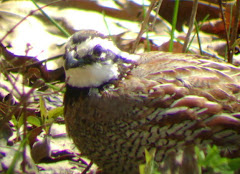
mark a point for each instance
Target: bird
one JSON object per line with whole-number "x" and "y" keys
{"x": 118, "y": 105}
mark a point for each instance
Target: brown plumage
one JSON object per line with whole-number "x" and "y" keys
{"x": 163, "y": 101}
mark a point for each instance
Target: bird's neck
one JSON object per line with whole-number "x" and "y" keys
{"x": 75, "y": 92}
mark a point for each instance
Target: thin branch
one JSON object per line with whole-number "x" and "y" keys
{"x": 157, "y": 11}
{"x": 191, "y": 24}
{"x": 234, "y": 30}
{"x": 144, "y": 25}
{"x": 225, "y": 28}
{"x": 23, "y": 19}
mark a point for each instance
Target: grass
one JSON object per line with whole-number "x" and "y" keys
{"x": 209, "y": 161}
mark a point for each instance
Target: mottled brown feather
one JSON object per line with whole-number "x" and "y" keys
{"x": 169, "y": 102}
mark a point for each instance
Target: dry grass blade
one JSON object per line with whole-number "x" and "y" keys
{"x": 191, "y": 24}
{"x": 144, "y": 26}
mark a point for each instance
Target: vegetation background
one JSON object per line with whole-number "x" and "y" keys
{"x": 32, "y": 37}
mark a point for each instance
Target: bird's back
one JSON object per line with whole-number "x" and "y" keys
{"x": 167, "y": 102}
{"x": 203, "y": 76}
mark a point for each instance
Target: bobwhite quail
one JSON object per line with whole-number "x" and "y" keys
{"x": 119, "y": 104}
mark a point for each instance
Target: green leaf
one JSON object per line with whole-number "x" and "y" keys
{"x": 34, "y": 121}
{"x": 149, "y": 167}
{"x": 20, "y": 120}
{"x": 215, "y": 163}
{"x": 17, "y": 156}
{"x": 142, "y": 168}
{"x": 54, "y": 113}
{"x": 43, "y": 109}
{"x": 56, "y": 88}
{"x": 14, "y": 120}
{"x": 234, "y": 164}
{"x": 149, "y": 155}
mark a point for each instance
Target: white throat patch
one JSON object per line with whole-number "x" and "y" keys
{"x": 98, "y": 73}
{"x": 91, "y": 75}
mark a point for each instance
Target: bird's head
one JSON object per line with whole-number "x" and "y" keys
{"x": 91, "y": 59}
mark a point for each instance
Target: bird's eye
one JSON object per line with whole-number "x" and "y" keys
{"x": 97, "y": 50}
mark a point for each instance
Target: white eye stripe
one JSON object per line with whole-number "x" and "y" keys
{"x": 106, "y": 44}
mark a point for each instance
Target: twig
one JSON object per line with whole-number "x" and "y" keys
{"x": 87, "y": 168}
{"x": 35, "y": 63}
{"x": 30, "y": 13}
{"x": 226, "y": 30}
{"x": 234, "y": 31}
{"x": 191, "y": 24}
{"x": 144, "y": 24}
{"x": 157, "y": 11}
